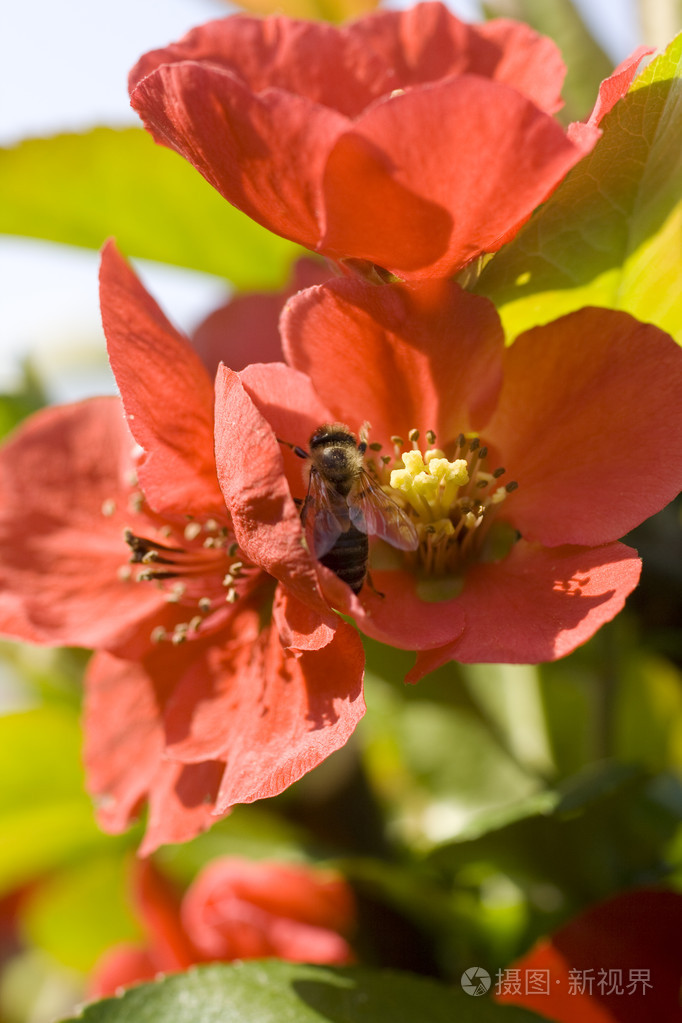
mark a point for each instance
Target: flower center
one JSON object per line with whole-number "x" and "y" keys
{"x": 453, "y": 502}
{"x": 194, "y": 561}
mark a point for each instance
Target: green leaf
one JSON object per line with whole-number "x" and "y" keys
{"x": 611, "y": 235}
{"x": 278, "y": 992}
{"x": 586, "y": 63}
{"x": 599, "y": 832}
{"x": 82, "y": 189}
{"x": 46, "y": 818}
{"x": 437, "y": 766}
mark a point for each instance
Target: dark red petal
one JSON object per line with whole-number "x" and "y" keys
{"x": 589, "y": 423}
{"x": 265, "y": 154}
{"x": 618, "y": 962}
{"x": 537, "y": 604}
{"x": 63, "y": 508}
{"x": 428, "y": 180}
{"x": 425, "y": 356}
{"x": 266, "y": 521}
{"x": 166, "y": 391}
{"x": 245, "y": 329}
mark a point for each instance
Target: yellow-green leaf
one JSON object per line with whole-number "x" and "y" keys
{"x": 611, "y": 235}
{"x": 83, "y": 188}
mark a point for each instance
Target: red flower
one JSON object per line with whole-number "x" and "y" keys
{"x": 234, "y": 909}
{"x": 544, "y": 454}
{"x": 407, "y": 139}
{"x": 214, "y": 682}
{"x": 246, "y": 329}
{"x": 618, "y": 962}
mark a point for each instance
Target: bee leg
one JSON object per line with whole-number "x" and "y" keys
{"x": 368, "y": 580}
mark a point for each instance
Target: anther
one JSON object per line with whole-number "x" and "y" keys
{"x": 511, "y": 486}
{"x": 398, "y": 441}
{"x": 413, "y": 436}
{"x": 205, "y": 604}
{"x": 159, "y": 634}
{"x": 192, "y": 530}
{"x": 108, "y": 507}
{"x": 136, "y": 503}
{"x": 498, "y": 472}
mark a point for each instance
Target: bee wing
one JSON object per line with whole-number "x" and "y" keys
{"x": 324, "y": 515}
{"x": 372, "y": 511}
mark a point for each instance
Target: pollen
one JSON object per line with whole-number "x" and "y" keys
{"x": 453, "y": 497}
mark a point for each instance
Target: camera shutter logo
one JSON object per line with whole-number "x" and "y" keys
{"x": 475, "y": 981}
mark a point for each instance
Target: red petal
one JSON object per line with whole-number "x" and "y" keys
{"x": 396, "y": 615}
{"x": 292, "y": 713}
{"x": 265, "y": 154}
{"x": 245, "y": 330}
{"x": 590, "y": 425}
{"x": 238, "y": 908}
{"x": 120, "y": 967}
{"x": 270, "y": 716}
{"x": 633, "y": 935}
{"x": 530, "y": 62}
{"x": 428, "y": 180}
{"x": 299, "y": 626}
{"x": 123, "y": 738}
{"x": 617, "y": 84}
{"x": 125, "y": 754}
{"x": 166, "y": 391}
{"x": 61, "y": 554}
{"x": 348, "y": 68}
{"x": 266, "y": 521}
{"x": 537, "y": 604}
{"x": 181, "y": 803}
{"x": 158, "y": 905}
{"x": 424, "y": 356}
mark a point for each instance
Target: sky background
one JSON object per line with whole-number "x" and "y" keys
{"x": 64, "y": 68}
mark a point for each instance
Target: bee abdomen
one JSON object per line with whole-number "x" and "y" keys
{"x": 348, "y": 558}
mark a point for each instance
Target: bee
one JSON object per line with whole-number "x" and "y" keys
{"x": 345, "y": 505}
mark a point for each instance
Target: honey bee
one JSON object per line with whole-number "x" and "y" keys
{"x": 345, "y": 505}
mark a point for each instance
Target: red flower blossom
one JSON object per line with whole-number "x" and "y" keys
{"x": 246, "y": 329}
{"x": 407, "y": 139}
{"x": 234, "y": 909}
{"x": 544, "y": 454}
{"x": 618, "y": 962}
{"x": 213, "y": 682}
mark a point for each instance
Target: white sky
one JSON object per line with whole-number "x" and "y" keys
{"x": 64, "y": 68}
